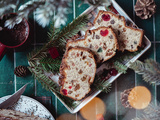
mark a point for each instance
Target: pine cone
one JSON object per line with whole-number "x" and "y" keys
{"x": 21, "y": 71}
{"x": 145, "y": 8}
{"x": 124, "y": 98}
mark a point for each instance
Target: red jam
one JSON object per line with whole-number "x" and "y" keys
{"x": 113, "y": 72}
{"x": 64, "y": 91}
{"x": 104, "y": 33}
{"x": 106, "y": 17}
{"x": 70, "y": 87}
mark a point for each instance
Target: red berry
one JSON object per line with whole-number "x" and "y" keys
{"x": 104, "y": 33}
{"x": 107, "y": 77}
{"x": 53, "y": 52}
{"x": 64, "y": 91}
{"x": 106, "y": 17}
{"x": 70, "y": 87}
{"x": 113, "y": 72}
{"x": 114, "y": 10}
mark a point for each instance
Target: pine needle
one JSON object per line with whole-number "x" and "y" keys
{"x": 102, "y": 84}
{"x": 120, "y": 67}
{"x": 149, "y": 69}
{"x": 47, "y": 83}
{"x": 58, "y": 38}
{"x": 50, "y": 64}
{"x": 120, "y": 61}
{"x": 152, "y": 112}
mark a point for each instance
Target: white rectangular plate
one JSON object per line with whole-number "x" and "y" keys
{"x": 87, "y": 99}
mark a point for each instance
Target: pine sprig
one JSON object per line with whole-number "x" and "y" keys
{"x": 70, "y": 30}
{"x": 23, "y": 12}
{"x": 120, "y": 62}
{"x": 149, "y": 69}
{"x": 120, "y": 67}
{"x": 102, "y": 84}
{"x": 47, "y": 83}
{"x": 152, "y": 112}
{"x": 50, "y": 64}
{"x": 58, "y": 39}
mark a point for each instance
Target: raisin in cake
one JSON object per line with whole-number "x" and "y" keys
{"x": 102, "y": 41}
{"x": 77, "y": 73}
{"x": 6, "y": 114}
{"x": 128, "y": 38}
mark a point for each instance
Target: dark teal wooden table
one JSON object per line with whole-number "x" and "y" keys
{"x": 9, "y": 83}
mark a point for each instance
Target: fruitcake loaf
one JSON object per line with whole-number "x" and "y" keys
{"x": 77, "y": 73}
{"x": 129, "y": 38}
{"x": 102, "y": 41}
{"x": 6, "y": 114}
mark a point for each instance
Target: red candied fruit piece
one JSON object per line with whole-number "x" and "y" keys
{"x": 70, "y": 87}
{"x": 106, "y": 17}
{"x": 64, "y": 91}
{"x": 53, "y": 52}
{"x": 113, "y": 72}
{"x": 114, "y": 10}
{"x": 104, "y": 33}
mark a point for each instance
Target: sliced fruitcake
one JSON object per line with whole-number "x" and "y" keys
{"x": 129, "y": 38}
{"x": 6, "y": 114}
{"x": 77, "y": 73}
{"x": 102, "y": 41}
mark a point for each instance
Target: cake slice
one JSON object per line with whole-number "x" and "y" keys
{"x": 102, "y": 41}
{"x": 129, "y": 38}
{"x": 77, "y": 73}
{"x": 6, "y": 114}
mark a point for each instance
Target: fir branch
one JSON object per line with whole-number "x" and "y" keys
{"x": 58, "y": 39}
{"x": 23, "y": 12}
{"x": 150, "y": 70}
{"x": 102, "y": 84}
{"x": 70, "y": 30}
{"x": 68, "y": 101}
{"x": 47, "y": 83}
{"x": 50, "y": 64}
{"x": 39, "y": 56}
{"x": 120, "y": 67}
{"x": 152, "y": 112}
{"x": 6, "y": 6}
{"x": 120, "y": 62}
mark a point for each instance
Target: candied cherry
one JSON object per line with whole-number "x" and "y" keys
{"x": 64, "y": 91}
{"x": 113, "y": 72}
{"x": 70, "y": 87}
{"x": 106, "y": 17}
{"x": 104, "y": 32}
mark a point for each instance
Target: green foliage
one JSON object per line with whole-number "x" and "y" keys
{"x": 102, "y": 84}
{"x": 152, "y": 112}
{"x": 49, "y": 64}
{"x": 120, "y": 61}
{"x": 47, "y": 83}
{"x": 57, "y": 37}
{"x": 120, "y": 67}
{"x": 149, "y": 69}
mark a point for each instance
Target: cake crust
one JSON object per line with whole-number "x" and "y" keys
{"x": 76, "y": 75}
{"x": 129, "y": 38}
